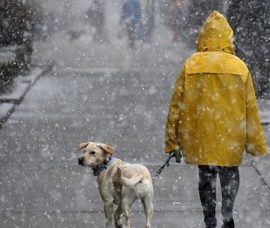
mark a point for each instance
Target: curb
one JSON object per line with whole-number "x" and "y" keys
{"x": 22, "y": 85}
{"x": 6, "y": 109}
{"x": 17, "y": 94}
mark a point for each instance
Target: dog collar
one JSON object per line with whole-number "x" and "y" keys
{"x": 100, "y": 168}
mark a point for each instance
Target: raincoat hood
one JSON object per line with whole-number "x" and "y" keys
{"x": 216, "y": 34}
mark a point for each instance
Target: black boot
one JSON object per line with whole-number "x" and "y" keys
{"x": 210, "y": 223}
{"x": 228, "y": 224}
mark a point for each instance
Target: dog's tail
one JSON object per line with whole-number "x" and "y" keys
{"x": 135, "y": 179}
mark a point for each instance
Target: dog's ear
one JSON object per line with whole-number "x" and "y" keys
{"x": 82, "y": 145}
{"x": 107, "y": 148}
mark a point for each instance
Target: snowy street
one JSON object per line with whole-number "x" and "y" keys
{"x": 107, "y": 92}
{"x": 43, "y": 186}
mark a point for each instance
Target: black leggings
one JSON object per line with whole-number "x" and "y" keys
{"x": 229, "y": 181}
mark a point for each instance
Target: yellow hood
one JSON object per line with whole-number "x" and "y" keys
{"x": 216, "y": 34}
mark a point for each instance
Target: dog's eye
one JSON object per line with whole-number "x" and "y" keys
{"x": 92, "y": 152}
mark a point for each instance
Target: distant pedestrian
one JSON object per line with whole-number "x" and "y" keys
{"x": 213, "y": 117}
{"x": 131, "y": 17}
{"x": 96, "y": 17}
{"x": 176, "y": 9}
{"x": 148, "y": 19}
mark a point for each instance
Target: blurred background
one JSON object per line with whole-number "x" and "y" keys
{"x": 39, "y": 31}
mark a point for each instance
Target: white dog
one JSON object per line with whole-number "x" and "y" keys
{"x": 120, "y": 183}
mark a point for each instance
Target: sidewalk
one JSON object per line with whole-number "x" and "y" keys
{"x": 106, "y": 94}
{"x": 42, "y": 185}
{"x": 76, "y": 203}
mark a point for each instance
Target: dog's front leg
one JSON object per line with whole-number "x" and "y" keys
{"x": 108, "y": 210}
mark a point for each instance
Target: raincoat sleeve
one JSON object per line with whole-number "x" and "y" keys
{"x": 255, "y": 140}
{"x": 171, "y": 142}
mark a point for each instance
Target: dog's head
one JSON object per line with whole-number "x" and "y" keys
{"x": 94, "y": 153}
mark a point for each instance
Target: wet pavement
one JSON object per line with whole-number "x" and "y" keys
{"x": 122, "y": 100}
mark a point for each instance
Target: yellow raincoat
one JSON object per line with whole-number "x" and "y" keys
{"x": 213, "y": 114}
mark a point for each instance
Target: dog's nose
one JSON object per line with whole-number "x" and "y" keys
{"x": 80, "y": 160}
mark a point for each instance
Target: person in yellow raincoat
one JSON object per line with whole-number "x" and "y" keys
{"x": 213, "y": 117}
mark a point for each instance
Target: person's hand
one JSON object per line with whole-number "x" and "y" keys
{"x": 177, "y": 154}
